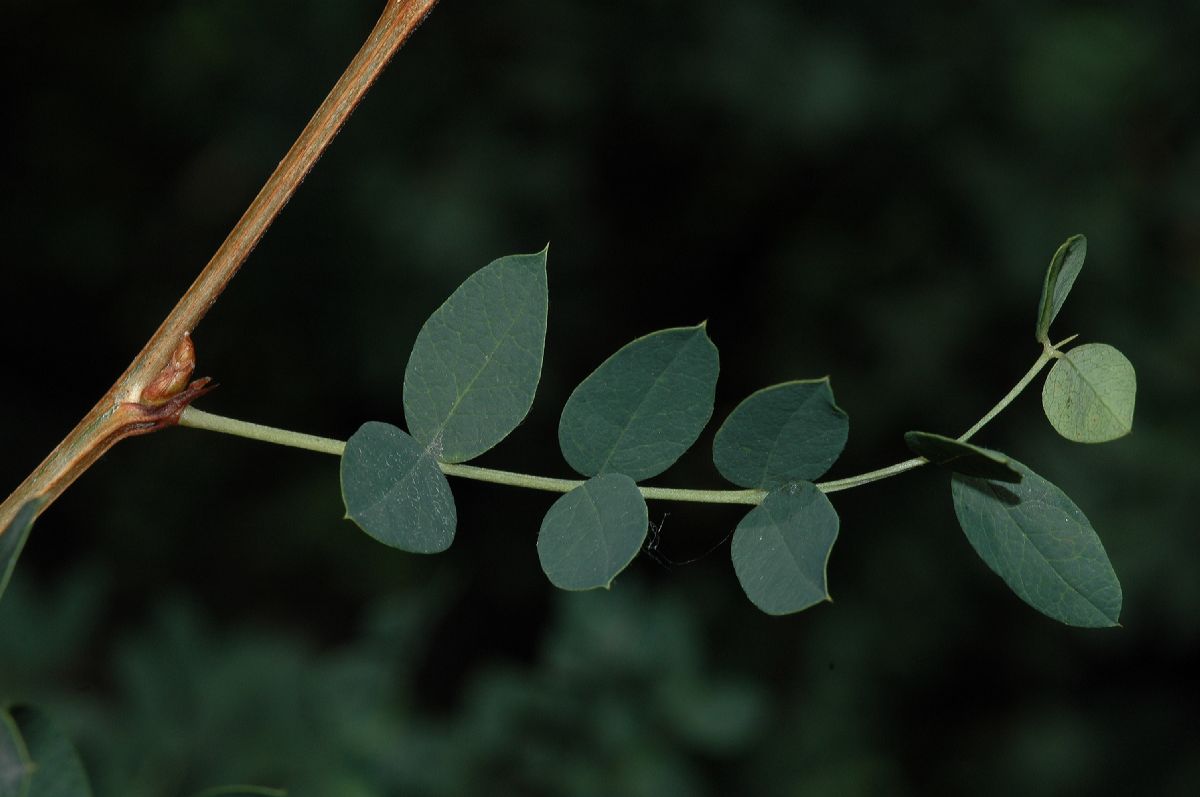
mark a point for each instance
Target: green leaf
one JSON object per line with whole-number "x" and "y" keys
{"x": 14, "y": 537}
{"x": 16, "y": 767}
{"x": 593, "y": 532}
{"x": 395, "y": 491}
{"x": 476, "y": 362}
{"x": 56, "y": 768}
{"x": 781, "y": 549}
{"x": 781, "y": 434}
{"x": 1060, "y": 276}
{"x": 643, "y": 407}
{"x": 1033, "y": 536}
{"x": 1089, "y": 394}
{"x": 962, "y": 457}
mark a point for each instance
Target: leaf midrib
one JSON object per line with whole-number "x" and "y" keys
{"x": 1026, "y": 537}
{"x": 1099, "y": 399}
{"x": 641, "y": 403}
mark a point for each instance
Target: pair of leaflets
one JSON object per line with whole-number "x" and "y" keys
{"x": 637, "y": 413}
{"x": 470, "y": 380}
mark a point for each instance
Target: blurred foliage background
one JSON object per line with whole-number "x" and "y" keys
{"x": 864, "y": 190}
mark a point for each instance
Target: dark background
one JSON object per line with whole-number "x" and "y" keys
{"x": 870, "y": 191}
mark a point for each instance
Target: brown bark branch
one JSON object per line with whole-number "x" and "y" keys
{"x": 123, "y": 411}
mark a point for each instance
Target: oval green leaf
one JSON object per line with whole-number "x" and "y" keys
{"x": 13, "y": 540}
{"x": 1060, "y": 277}
{"x": 593, "y": 532}
{"x": 960, "y": 457}
{"x": 643, "y": 407}
{"x": 56, "y": 769}
{"x": 781, "y": 434}
{"x": 1035, "y": 538}
{"x": 781, "y": 549}
{"x": 395, "y": 491}
{"x": 476, "y": 362}
{"x": 1089, "y": 394}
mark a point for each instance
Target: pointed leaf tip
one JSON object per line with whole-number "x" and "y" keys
{"x": 784, "y": 433}
{"x": 1036, "y": 539}
{"x": 781, "y": 548}
{"x": 643, "y": 407}
{"x": 1060, "y": 277}
{"x": 477, "y": 361}
{"x": 593, "y": 532}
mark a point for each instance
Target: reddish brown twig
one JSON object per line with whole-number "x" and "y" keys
{"x": 151, "y": 393}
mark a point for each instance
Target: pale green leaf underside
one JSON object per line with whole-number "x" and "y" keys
{"x": 593, "y": 532}
{"x": 780, "y": 434}
{"x": 1089, "y": 394}
{"x": 643, "y": 407}
{"x": 56, "y": 770}
{"x": 781, "y": 549}
{"x": 1035, "y": 538}
{"x": 395, "y": 491}
{"x": 961, "y": 457}
{"x": 1060, "y": 277}
{"x": 13, "y": 540}
{"x": 476, "y": 362}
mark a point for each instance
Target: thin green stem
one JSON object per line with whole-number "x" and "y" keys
{"x": 198, "y": 419}
{"x": 1046, "y": 356}
{"x": 834, "y": 485}
{"x": 1048, "y": 353}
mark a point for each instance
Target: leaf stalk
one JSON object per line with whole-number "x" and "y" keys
{"x": 198, "y": 419}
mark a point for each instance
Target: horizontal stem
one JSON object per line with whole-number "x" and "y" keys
{"x": 566, "y": 485}
{"x": 198, "y": 419}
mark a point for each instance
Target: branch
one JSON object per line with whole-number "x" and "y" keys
{"x": 150, "y": 395}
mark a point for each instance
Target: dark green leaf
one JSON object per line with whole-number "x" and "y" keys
{"x": 395, "y": 491}
{"x": 781, "y": 548}
{"x": 1089, "y": 394}
{"x": 593, "y": 532}
{"x": 1032, "y": 536}
{"x": 1060, "y": 276}
{"x": 13, "y": 539}
{"x": 781, "y": 434}
{"x": 16, "y": 768}
{"x": 476, "y": 362}
{"x": 961, "y": 457}
{"x": 57, "y": 770}
{"x": 643, "y": 407}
